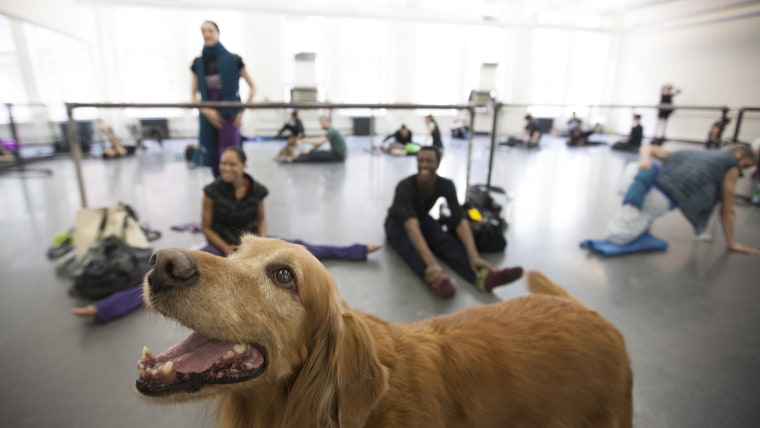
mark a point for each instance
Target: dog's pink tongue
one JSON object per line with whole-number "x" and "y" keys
{"x": 195, "y": 354}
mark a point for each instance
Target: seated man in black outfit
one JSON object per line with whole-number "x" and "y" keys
{"x": 531, "y": 136}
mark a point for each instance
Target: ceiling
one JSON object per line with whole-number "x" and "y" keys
{"x": 599, "y": 15}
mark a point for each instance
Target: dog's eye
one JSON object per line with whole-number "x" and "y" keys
{"x": 232, "y": 251}
{"x": 283, "y": 277}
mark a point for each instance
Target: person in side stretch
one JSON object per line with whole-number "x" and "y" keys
{"x": 232, "y": 205}
{"x": 695, "y": 181}
{"x": 418, "y": 238}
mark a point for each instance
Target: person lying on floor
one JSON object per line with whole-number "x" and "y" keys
{"x": 232, "y": 205}
{"x": 695, "y": 181}
{"x": 418, "y": 238}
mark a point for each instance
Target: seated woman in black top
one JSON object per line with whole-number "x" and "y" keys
{"x": 232, "y": 205}
{"x": 418, "y": 238}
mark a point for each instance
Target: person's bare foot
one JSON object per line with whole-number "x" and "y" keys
{"x": 373, "y": 248}
{"x": 85, "y": 311}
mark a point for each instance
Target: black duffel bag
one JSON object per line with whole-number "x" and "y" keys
{"x": 109, "y": 265}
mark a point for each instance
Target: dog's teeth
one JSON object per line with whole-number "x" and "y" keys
{"x": 146, "y": 353}
{"x": 229, "y": 354}
{"x": 167, "y": 369}
{"x": 240, "y": 348}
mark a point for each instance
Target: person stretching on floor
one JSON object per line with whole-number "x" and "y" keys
{"x": 337, "y": 144}
{"x": 233, "y": 204}
{"x": 633, "y": 141}
{"x": 695, "y": 181}
{"x": 418, "y": 238}
{"x": 402, "y": 143}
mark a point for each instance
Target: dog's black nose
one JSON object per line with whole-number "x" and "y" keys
{"x": 172, "y": 268}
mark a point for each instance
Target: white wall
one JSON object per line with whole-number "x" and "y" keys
{"x": 65, "y": 16}
{"x": 714, "y": 64}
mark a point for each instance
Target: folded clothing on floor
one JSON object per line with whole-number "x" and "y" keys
{"x": 643, "y": 243}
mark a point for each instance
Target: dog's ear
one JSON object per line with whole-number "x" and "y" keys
{"x": 341, "y": 378}
{"x": 361, "y": 378}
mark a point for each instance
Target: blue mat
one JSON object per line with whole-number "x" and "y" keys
{"x": 643, "y": 243}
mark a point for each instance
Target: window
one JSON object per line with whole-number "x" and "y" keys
{"x": 364, "y": 45}
{"x": 436, "y": 69}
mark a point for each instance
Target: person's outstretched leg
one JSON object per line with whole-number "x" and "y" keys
{"x": 319, "y": 156}
{"x": 451, "y": 250}
{"x": 114, "y": 306}
{"x": 356, "y": 252}
{"x": 488, "y": 280}
{"x": 448, "y": 247}
{"x": 399, "y": 240}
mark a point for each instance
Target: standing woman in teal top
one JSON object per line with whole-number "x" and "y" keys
{"x": 216, "y": 76}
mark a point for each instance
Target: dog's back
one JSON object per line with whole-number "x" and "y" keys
{"x": 538, "y": 360}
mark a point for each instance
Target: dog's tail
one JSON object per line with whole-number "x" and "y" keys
{"x": 538, "y": 283}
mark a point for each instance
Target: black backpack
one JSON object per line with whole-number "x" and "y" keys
{"x": 110, "y": 265}
{"x": 489, "y": 230}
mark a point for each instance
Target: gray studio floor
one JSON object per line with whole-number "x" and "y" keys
{"x": 689, "y": 315}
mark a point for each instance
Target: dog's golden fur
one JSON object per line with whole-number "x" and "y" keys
{"x": 544, "y": 360}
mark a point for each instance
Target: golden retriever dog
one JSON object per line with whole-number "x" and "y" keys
{"x": 275, "y": 345}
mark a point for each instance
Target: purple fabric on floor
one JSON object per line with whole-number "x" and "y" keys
{"x": 355, "y": 253}
{"x": 187, "y": 227}
{"x": 119, "y": 304}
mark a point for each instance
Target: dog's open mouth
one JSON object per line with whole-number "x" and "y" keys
{"x": 195, "y": 362}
